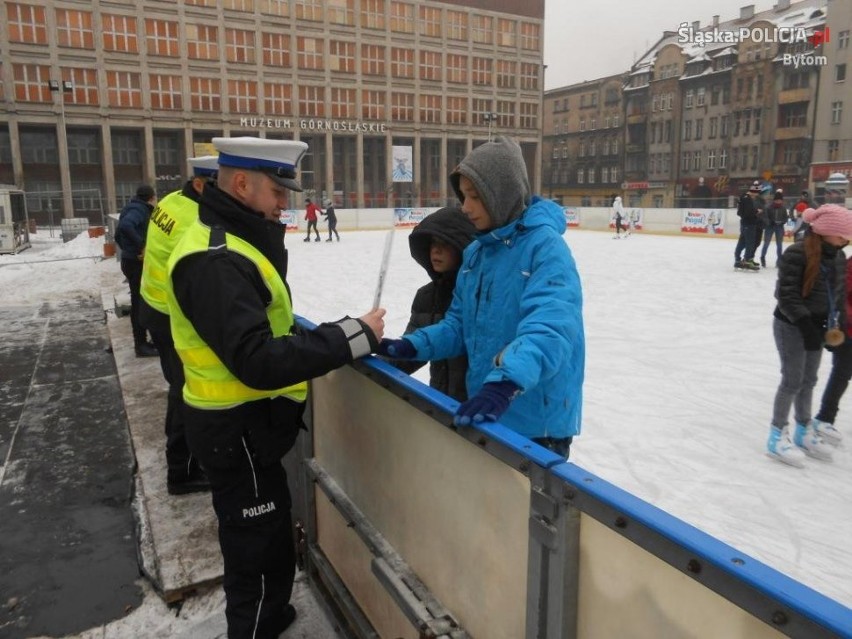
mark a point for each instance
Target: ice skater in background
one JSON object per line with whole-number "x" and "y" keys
{"x": 810, "y": 290}
{"x": 618, "y": 215}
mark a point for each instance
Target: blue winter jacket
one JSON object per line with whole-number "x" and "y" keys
{"x": 132, "y": 228}
{"x": 517, "y": 311}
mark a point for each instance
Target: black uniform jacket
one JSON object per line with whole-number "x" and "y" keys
{"x": 225, "y": 298}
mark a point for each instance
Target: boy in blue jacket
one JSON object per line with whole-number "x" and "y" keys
{"x": 517, "y": 310}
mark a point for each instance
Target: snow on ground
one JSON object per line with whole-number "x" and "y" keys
{"x": 681, "y": 373}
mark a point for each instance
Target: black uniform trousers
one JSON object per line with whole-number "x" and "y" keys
{"x": 252, "y": 503}
{"x": 179, "y": 460}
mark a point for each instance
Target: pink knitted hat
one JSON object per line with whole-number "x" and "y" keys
{"x": 830, "y": 219}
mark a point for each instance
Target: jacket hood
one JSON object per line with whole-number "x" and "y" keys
{"x": 541, "y": 212}
{"x": 448, "y": 225}
{"x": 499, "y": 173}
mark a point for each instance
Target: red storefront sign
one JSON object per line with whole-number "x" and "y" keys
{"x": 820, "y": 172}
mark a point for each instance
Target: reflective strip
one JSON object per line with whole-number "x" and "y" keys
{"x": 235, "y": 391}
{"x": 159, "y": 274}
{"x": 200, "y": 356}
{"x": 359, "y": 343}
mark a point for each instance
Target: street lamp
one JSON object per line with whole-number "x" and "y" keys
{"x": 489, "y": 117}
{"x": 62, "y": 87}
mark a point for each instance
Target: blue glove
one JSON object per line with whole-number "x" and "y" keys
{"x": 401, "y": 348}
{"x": 487, "y": 405}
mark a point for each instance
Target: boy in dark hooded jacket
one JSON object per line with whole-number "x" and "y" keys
{"x": 437, "y": 244}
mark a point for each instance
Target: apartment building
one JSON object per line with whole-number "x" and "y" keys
{"x": 98, "y": 97}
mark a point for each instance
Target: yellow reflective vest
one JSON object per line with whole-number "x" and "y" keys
{"x": 169, "y": 221}
{"x": 209, "y": 384}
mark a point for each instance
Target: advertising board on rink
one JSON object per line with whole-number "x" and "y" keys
{"x": 709, "y": 221}
{"x": 405, "y": 217}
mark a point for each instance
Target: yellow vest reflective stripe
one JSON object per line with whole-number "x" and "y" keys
{"x": 169, "y": 221}
{"x": 209, "y": 384}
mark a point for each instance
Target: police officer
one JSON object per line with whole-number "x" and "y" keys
{"x": 169, "y": 220}
{"x": 246, "y": 369}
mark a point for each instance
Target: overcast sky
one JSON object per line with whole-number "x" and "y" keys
{"x": 586, "y": 40}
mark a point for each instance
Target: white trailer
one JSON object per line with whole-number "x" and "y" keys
{"x": 14, "y": 221}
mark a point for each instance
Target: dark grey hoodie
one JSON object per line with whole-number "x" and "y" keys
{"x": 499, "y": 173}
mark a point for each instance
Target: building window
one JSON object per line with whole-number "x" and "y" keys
{"x": 836, "y": 112}
{"x": 201, "y": 42}
{"x": 714, "y": 127}
{"x": 843, "y": 39}
{"x": 165, "y": 92}
{"x": 506, "y": 32}
{"x": 277, "y": 98}
{"x": 746, "y": 121}
{"x": 202, "y": 3}
{"x": 84, "y": 147}
{"x": 342, "y": 103}
{"x": 402, "y": 62}
{"x": 239, "y": 45}
{"x": 309, "y": 10}
{"x": 123, "y": 89}
{"x": 430, "y": 65}
{"x": 372, "y": 105}
{"x": 581, "y": 176}
{"x": 373, "y": 14}
{"x": 591, "y": 176}
{"x": 833, "y": 150}
{"x": 162, "y": 38}
{"x": 125, "y": 148}
{"x": 604, "y": 175}
{"x": 582, "y": 124}
{"x": 530, "y": 36}
{"x": 119, "y": 33}
{"x": 31, "y": 82}
{"x": 481, "y": 71}
{"x": 309, "y": 53}
{"x": 27, "y": 23}
{"x": 205, "y": 94}
{"x": 687, "y": 130}
{"x": 74, "y": 29}
{"x": 242, "y": 96}
{"x": 402, "y": 17}
{"x": 457, "y": 108}
{"x": 699, "y": 128}
{"x": 312, "y": 101}
{"x": 341, "y": 12}
{"x": 613, "y": 174}
{"x": 85, "y": 83}
{"x": 723, "y": 127}
{"x": 684, "y": 161}
{"x": 430, "y": 22}
{"x": 711, "y": 159}
{"x": 529, "y": 115}
{"x": 755, "y": 156}
{"x": 430, "y": 109}
{"x": 372, "y": 59}
{"x": 688, "y": 98}
{"x": 341, "y": 56}
{"x": 456, "y": 68}
{"x": 655, "y": 103}
{"x": 840, "y": 73}
{"x": 700, "y": 96}
{"x": 402, "y": 107}
{"x": 276, "y": 50}
{"x": 738, "y": 116}
{"x": 244, "y": 6}
{"x": 757, "y": 113}
{"x": 482, "y": 28}
{"x": 506, "y": 74}
{"x": 456, "y": 27}
{"x": 282, "y": 7}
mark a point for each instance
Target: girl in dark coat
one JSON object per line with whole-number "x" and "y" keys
{"x": 331, "y": 218}
{"x": 810, "y": 290}
{"x": 437, "y": 244}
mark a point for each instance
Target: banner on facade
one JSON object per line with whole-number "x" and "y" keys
{"x": 709, "y": 221}
{"x": 403, "y": 164}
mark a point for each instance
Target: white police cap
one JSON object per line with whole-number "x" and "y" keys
{"x": 206, "y": 166}
{"x": 276, "y": 158}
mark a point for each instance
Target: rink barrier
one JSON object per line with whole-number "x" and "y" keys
{"x": 416, "y": 528}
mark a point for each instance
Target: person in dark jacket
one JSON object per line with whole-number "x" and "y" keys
{"x": 331, "y": 218}
{"x": 246, "y": 367}
{"x": 130, "y": 236}
{"x": 747, "y": 212}
{"x": 810, "y": 291}
{"x": 776, "y": 220}
{"x": 437, "y": 244}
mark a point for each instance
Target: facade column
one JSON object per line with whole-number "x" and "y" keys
{"x": 17, "y": 160}
{"x": 329, "y": 168}
{"x": 418, "y": 174}
{"x": 359, "y": 171}
{"x": 64, "y": 164}
{"x": 389, "y": 187}
{"x": 108, "y": 170}
{"x": 444, "y": 183}
{"x": 149, "y": 170}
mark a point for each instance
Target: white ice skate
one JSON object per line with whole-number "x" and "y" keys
{"x": 807, "y": 439}
{"x": 780, "y": 447}
{"x": 828, "y": 432}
